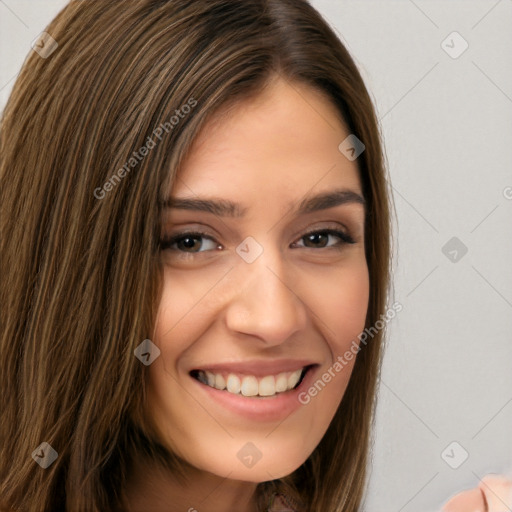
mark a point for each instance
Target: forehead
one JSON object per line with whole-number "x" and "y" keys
{"x": 281, "y": 144}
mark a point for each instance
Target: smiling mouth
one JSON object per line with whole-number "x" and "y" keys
{"x": 249, "y": 385}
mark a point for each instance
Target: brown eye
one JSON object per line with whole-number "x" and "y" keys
{"x": 189, "y": 242}
{"x": 320, "y": 239}
{"x": 316, "y": 240}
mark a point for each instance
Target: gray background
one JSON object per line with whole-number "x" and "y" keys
{"x": 447, "y": 126}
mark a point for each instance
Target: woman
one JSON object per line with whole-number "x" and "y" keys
{"x": 195, "y": 260}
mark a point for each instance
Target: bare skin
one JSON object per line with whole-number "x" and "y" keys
{"x": 304, "y": 298}
{"x": 153, "y": 490}
{"x": 494, "y": 494}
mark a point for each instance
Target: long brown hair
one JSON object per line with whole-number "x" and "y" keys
{"x": 80, "y": 267}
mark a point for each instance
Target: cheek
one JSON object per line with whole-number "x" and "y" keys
{"x": 341, "y": 303}
{"x": 175, "y": 330}
{"x": 187, "y": 307}
{"x": 342, "y": 315}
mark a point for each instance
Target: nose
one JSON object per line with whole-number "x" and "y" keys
{"x": 264, "y": 304}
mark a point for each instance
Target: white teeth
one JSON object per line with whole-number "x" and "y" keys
{"x": 220, "y": 383}
{"x": 210, "y": 379}
{"x": 233, "y": 384}
{"x": 294, "y": 378}
{"x": 281, "y": 383}
{"x": 267, "y": 386}
{"x": 249, "y": 385}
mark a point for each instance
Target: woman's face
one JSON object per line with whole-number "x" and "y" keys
{"x": 274, "y": 289}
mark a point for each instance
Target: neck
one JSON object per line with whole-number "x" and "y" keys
{"x": 154, "y": 489}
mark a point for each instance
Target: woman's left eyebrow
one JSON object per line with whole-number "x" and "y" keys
{"x": 329, "y": 199}
{"x": 226, "y": 208}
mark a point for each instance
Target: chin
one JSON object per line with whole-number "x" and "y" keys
{"x": 255, "y": 461}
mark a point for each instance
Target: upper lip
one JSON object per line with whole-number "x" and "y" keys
{"x": 258, "y": 368}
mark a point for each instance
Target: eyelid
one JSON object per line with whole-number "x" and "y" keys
{"x": 345, "y": 235}
{"x": 167, "y": 241}
{"x": 331, "y": 229}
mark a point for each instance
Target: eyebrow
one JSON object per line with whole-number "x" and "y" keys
{"x": 225, "y": 208}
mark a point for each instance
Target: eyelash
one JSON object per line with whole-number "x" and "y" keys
{"x": 167, "y": 243}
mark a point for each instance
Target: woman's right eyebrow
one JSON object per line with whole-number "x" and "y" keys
{"x": 219, "y": 207}
{"x": 226, "y": 208}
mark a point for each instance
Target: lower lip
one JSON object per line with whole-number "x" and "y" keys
{"x": 267, "y": 409}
